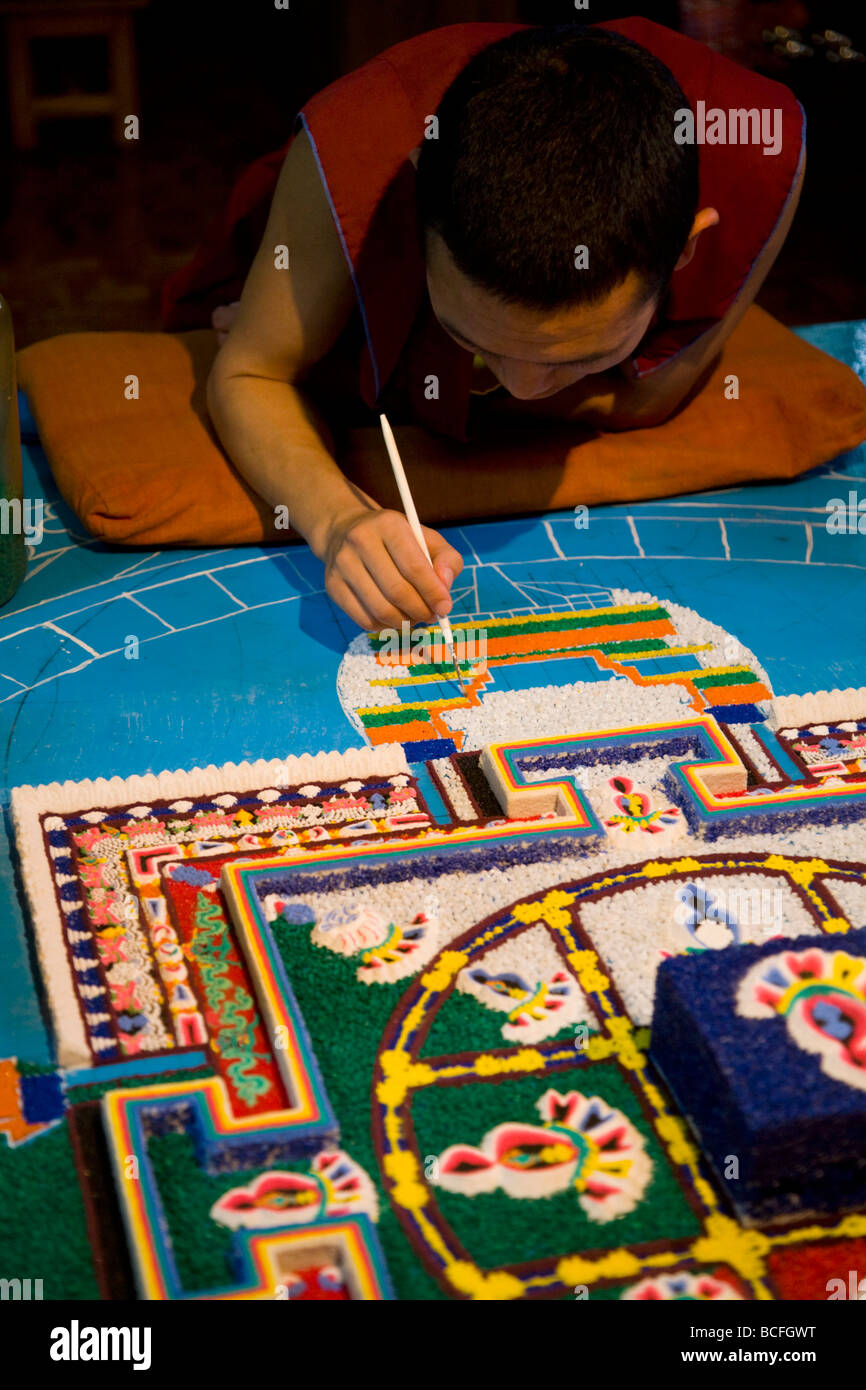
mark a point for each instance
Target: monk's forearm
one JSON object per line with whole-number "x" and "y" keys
{"x": 282, "y": 447}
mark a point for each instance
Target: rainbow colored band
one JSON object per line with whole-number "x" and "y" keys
{"x": 350, "y": 1243}
{"x": 692, "y": 775}
{"x": 202, "y": 1107}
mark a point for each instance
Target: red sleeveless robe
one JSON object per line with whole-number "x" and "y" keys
{"x": 363, "y": 127}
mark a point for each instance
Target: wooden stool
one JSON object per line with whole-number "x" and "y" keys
{"x": 57, "y": 19}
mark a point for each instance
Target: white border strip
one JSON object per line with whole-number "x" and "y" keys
{"x": 30, "y": 803}
{"x": 819, "y": 707}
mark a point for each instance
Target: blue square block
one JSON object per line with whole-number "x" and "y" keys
{"x": 426, "y": 749}
{"x": 764, "y": 1050}
{"x": 42, "y": 1098}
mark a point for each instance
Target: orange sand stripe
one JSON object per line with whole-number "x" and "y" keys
{"x": 735, "y": 694}
{"x": 585, "y": 638}
{"x": 683, "y": 678}
{"x": 442, "y": 728}
{"x": 399, "y": 733}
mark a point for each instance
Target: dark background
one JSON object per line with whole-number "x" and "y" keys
{"x": 88, "y": 232}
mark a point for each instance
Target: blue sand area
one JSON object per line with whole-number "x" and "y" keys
{"x": 235, "y": 652}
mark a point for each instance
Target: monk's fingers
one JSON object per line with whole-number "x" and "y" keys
{"x": 354, "y": 570}
{"x": 392, "y": 583}
{"x": 447, "y": 561}
{"x": 415, "y": 569}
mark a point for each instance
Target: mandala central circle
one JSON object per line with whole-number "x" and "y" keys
{"x": 580, "y": 1141}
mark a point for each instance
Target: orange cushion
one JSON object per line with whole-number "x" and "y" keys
{"x": 146, "y": 471}
{"x": 150, "y": 471}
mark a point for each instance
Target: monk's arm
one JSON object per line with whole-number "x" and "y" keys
{"x": 288, "y": 320}
{"x": 615, "y": 400}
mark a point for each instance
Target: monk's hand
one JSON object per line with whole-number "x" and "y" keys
{"x": 378, "y": 574}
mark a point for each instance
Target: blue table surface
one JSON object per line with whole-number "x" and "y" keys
{"x": 238, "y": 648}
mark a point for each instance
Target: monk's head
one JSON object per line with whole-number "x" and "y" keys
{"x": 555, "y": 204}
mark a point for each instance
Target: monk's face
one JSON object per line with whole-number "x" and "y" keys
{"x": 536, "y": 353}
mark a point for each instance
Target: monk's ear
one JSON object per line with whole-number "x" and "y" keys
{"x": 415, "y": 155}
{"x": 707, "y": 217}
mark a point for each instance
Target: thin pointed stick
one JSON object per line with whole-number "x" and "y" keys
{"x": 415, "y": 524}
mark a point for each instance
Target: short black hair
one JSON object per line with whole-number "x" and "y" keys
{"x": 554, "y": 138}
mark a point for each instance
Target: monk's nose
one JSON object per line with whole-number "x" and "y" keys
{"x": 524, "y": 381}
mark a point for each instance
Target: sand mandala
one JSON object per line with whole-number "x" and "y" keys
{"x": 551, "y": 989}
